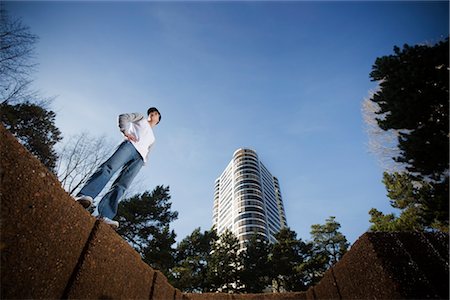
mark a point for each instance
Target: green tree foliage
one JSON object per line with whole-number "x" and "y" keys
{"x": 159, "y": 252}
{"x": 256, "y": 270}
{"x": 403, "y": 195}
{"x": 225, "y": 264}
{"x": 144, "y": 222}
{"x": 192, "y": 255}
{"x": 329, "y": 241}
{"x": 205, "y": 263}
{"x": 314, "y": 266}
{"x": 34, "y": 127}
{"x": 288, "y": 253}
{"x": 413, "y": 98}
{"x": 408, "y": 195}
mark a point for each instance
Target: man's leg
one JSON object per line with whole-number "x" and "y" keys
{"x": 105, "y": 171}
{"x": 109, "y": 203}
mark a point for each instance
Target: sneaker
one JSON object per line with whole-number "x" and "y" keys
{"x": 85, "y": 201}
{"x": 112, "y": 223}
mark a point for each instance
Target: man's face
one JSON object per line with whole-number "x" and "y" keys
{"x": 153, "y": 118}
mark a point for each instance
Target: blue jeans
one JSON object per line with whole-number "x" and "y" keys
{"x": 125, "y": 157}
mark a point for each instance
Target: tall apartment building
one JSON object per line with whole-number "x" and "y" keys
{"x": 247, "y": 199}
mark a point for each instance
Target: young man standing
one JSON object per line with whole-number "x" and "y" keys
{"x": 130, "y": 155}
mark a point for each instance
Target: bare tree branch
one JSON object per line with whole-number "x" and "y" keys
{"x": 382, "y": 144}
{"x": 17, "y": 49}
{"x": 78, "y": 159}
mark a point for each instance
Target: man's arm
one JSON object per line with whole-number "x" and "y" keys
{"x": 124, "y": 124}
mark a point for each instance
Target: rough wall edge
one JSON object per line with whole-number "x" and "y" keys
{"x": 42, "y": 255}
{"x": 81, "y": 259}
{"x": 75, "y": 272}
{"x": 152, "y": 288}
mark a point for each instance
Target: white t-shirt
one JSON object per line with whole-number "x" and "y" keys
{"x": 137, "y": 125}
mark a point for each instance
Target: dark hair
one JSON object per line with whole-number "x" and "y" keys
{"x": 152, "y": 109}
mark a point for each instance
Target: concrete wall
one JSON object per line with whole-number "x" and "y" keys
{"x": 52, "y": 248}
{"x": 390, "y": 266}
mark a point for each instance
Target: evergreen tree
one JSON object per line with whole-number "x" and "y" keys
{"x": 288, "y": 253}
{"x": 413, "y": 99}
{"x": 192, "y": 255}
{"x": 144, "y": 222}
{"x": 313, "y": 266}
{"x": 159, "y": 252}
{"x": 256, "y": 271}
{"x": 329, "y": 241}
{"x": 405, "y": 193}
{"x": 225, "y": 264}
{"x": 34, "y": 127}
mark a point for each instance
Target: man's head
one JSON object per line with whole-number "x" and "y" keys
{"x": 154, "y": 117}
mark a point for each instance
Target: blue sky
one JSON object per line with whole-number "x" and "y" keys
{"x": 286, "y": 79}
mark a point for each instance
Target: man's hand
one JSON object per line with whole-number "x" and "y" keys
{"x": 130, "y": 137}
